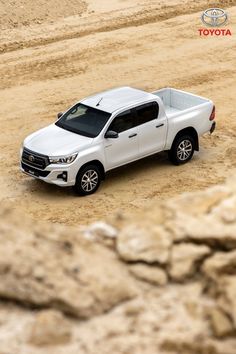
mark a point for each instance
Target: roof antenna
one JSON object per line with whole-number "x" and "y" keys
{"x": 99, "y": 102}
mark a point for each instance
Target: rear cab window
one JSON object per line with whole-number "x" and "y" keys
{"x": 147, "y": 112}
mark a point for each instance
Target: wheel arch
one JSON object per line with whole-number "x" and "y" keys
{"x": 188, "y": 131}
{"x": 96, "y": 163}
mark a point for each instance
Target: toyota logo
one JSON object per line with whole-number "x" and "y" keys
{"x": 214, "y": 17}
{"x": 31, "y": 158}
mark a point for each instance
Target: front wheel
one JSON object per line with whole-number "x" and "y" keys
{"x": 182, "y": 150}
{"x": 88, "y": 180}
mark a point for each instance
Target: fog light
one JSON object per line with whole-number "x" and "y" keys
{"x": 63, "y": 176}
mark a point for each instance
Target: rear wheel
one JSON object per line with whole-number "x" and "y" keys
{"x": 182, "y": 150}
{"x": 88, "y": 180}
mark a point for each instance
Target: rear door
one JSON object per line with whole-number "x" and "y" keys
{"x": 124, "y": 148}
{"x": 151, "y": 128}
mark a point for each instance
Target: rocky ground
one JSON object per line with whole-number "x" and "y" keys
{"x": 163, "y": 283}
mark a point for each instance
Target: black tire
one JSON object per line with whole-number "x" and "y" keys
{"x": 88, "y": 180}
{"x": 182, "y": 150}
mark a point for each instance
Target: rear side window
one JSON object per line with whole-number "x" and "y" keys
{"x": 147, "y": 112}
{"x": 124, "y": 121}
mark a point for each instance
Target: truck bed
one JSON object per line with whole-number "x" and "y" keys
{"x": 177, "y": 101}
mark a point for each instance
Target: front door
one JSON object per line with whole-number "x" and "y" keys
{"x": 124, "y": 148}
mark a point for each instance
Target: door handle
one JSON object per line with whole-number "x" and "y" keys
{"x": 159, "y": 125}
{"x": 132, "y": 135}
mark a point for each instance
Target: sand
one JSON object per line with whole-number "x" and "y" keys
{"x": 51, "y": 56}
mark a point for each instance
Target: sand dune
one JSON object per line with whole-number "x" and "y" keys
{"x": 46, "y": 67}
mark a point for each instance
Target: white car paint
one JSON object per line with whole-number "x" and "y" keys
{"x": 54, "y": 141}
{"x": 177, "y": 110}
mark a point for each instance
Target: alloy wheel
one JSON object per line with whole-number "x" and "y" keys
{"x": 184, "y": 150}
{"x": 89, "y": 180}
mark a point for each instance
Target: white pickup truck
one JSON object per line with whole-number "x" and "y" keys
{"x": 112, "y": 129}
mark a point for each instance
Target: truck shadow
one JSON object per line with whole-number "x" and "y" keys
{"x": 135, "y": 168}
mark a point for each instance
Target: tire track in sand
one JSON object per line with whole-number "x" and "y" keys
{"x": 105, "y": 23}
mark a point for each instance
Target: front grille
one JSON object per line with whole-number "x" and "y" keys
{"x": 34, "y": 159}
{"x": 34, "y": 171}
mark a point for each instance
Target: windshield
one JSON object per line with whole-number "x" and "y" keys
{"x": 84, "y": 120}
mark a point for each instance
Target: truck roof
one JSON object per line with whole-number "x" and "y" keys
{"x": 111, "y": 100}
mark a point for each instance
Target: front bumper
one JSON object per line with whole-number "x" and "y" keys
{"x": 52, "y": 174}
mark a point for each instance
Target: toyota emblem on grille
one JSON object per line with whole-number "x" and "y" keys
{"x": 214, "y": 17}
{"x": 31, "y": 158}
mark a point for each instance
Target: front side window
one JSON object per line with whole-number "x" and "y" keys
{"x": 147, "y": 112}
{"x": 84, "y": 120}
{"x": 124, "y": 121}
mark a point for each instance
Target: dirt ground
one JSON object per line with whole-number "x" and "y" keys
{"x": 48, "y": 61}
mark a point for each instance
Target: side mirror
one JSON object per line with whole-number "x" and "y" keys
{"x": 110, "y": 134}
{"x": 59, "y": 115}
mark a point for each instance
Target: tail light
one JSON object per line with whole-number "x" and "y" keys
{"x": 213, "y": 113}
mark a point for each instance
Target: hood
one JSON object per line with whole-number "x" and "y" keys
{"x": 55, "y": 141}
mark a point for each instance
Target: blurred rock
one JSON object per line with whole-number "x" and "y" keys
{"x": 199, "y": 203}
{"x": 55, "y": 266}
{"x": 150, "y": 274}
{"x": 134, "y": 308}
{"x": 101, "y": 229}
{"x": 101, "y": 232}
{"x": 185, "y": 346}
{"x": 50, "y": 328}
{"x": 144, "y": 243}
{"x": 221, "y": 270}
{"x": 182, "y": 250}
{"x": 226, "y": 211}
{"x": 209, "y": 229}
{"x": 221, "y": 263}
{"x": 221, "y": 324}
{"x": 184, "y": 258}
{"x": 226, "y": 288}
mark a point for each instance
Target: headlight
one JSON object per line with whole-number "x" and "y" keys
{"x": 63, "y": 159}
